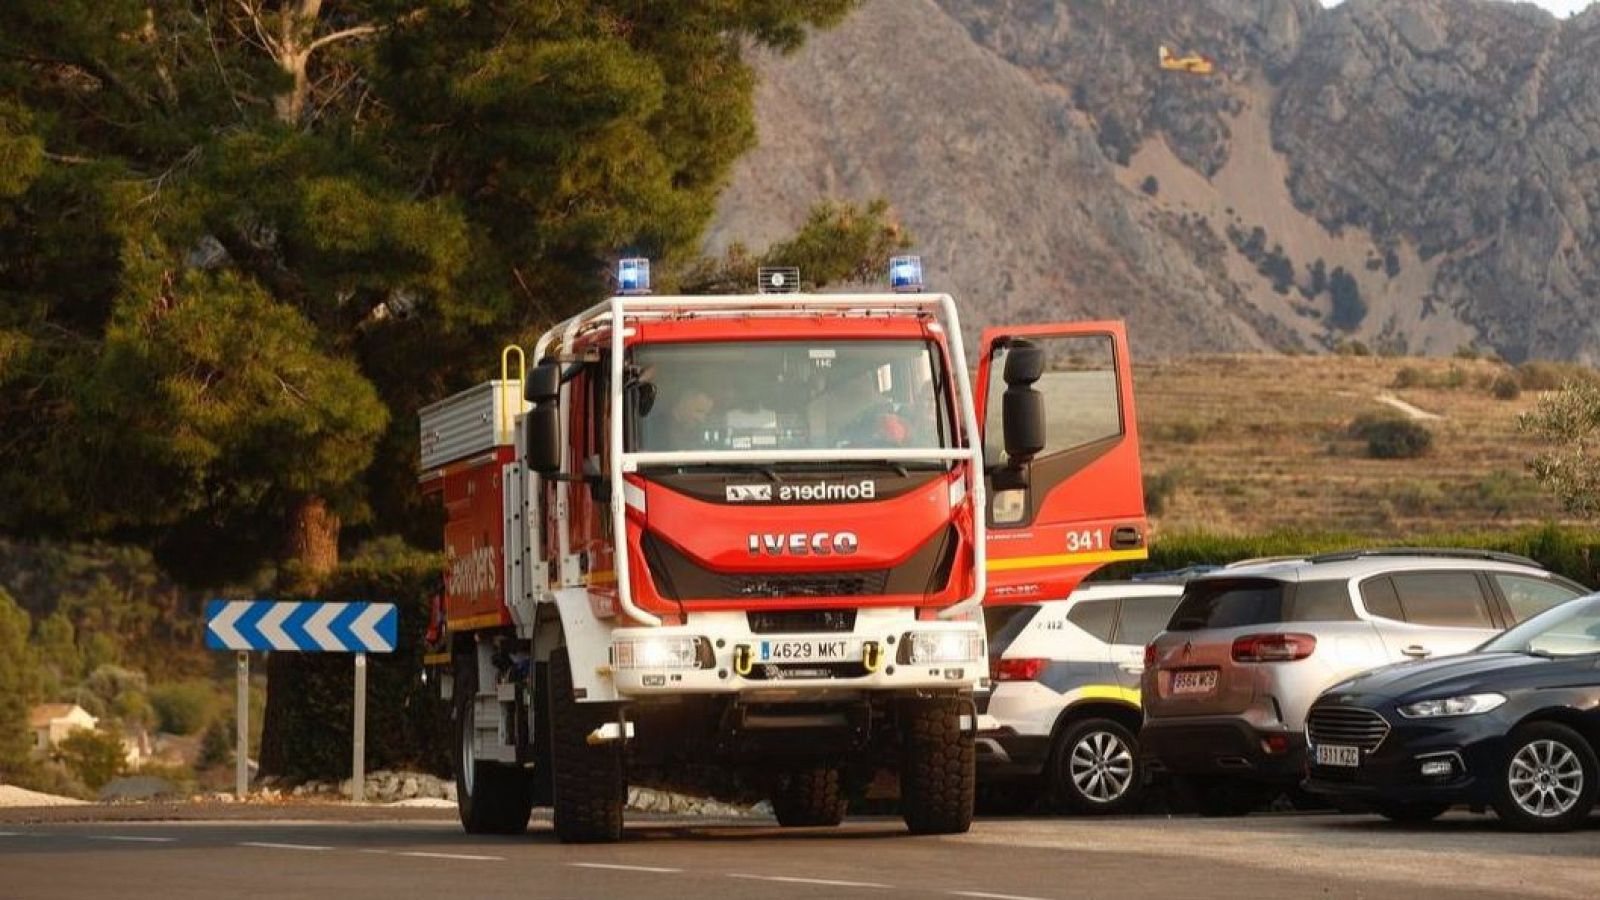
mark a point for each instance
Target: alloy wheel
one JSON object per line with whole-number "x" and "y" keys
{"x": 1101, "y": 766}
{"x": 1546, "y": 778}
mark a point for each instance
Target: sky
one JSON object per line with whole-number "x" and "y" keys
{"x": 1562, "y": 8}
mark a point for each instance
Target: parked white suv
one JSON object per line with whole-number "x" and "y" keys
{"x": 1064, "y": 711}
{"x": 1227, "y": 686}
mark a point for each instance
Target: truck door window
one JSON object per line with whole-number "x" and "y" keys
{"x": 1080, "y": 390}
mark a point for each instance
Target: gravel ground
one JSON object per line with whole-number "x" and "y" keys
{"x": 11, "y": 796}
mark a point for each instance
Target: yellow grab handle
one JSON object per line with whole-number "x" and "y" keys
{"x": 743, "y": 660}
{"x": 872, "y": 656}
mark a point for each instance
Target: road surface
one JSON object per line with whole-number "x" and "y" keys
{"x": 374, "y": 853}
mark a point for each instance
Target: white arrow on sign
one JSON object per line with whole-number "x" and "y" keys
{"x": 365, "y": 628}
{"x": 223, "y": 624}
{"x": 317, "y": 626}
{"x": 271, "y": 626}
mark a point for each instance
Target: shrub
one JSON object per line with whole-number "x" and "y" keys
{"x": 1505, "y": 387}
{"x": 1150, "y": 185}
{"x": 216, "y": 745}
{"x": 311, "y": 692}
{"x": 1349, "y": 309}
{"x": 183, "y": 708}
{"x": 95, "y": 757}
{"x": 1159, "y": 489}
{"x": 1410, "y": 377}
{"x": 1388, "y": 437}
{"x": 1550, "y": 376}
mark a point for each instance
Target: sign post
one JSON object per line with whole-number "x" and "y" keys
{"x": 307, "y": 627}
{"x": 241, "y": 762}
{"x": 358, "y": 765}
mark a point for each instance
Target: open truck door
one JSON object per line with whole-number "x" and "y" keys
{"x": 1061, "y": 457}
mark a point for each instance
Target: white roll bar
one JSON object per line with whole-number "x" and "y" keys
{"x": 622, "y": 309}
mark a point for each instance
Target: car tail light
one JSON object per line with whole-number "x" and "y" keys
{"x": 1018, "y": 669}
{"x": 1273, "y": 647}
{"x": 1150, "y": 655}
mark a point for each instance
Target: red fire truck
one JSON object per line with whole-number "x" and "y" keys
{"x": 757, "y": 533}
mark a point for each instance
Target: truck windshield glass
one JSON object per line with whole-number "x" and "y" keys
{"x": 786, "y": 395}
{"x": 1571, "y": 629}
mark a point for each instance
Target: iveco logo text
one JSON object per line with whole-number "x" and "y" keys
{"x": 866, "y": 489}
{"x": 816, "y": 543}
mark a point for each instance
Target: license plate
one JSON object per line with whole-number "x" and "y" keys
{"x": 1200, "y": 681}
{"x": 1335, "y": 755}
{"x": 802, "y": 650}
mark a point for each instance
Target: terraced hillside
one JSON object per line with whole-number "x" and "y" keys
{"x": 1250, "y": 443}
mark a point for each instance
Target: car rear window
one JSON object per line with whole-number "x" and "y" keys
{"x": 1004, "y": 623}
{"x": 1097, "y": 617}
{"x": 1228, "y": 603}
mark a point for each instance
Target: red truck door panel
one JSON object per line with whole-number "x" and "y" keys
{"x": 1079, "y": 504}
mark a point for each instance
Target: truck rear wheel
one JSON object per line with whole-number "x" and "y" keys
{"x": 491, "y": 798}
{"x": 809, "y": 797}
{"x": 588, "y": 780}
{"x": 938, "y": 775}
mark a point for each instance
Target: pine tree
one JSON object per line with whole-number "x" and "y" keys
{"x": 241, "y": 242}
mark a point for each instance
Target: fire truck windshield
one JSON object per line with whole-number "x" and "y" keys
{"x": 783, "y": 394}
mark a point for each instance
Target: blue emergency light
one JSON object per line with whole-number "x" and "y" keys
{"x": 633, "y": 276}
{"x": 905, "y": 273}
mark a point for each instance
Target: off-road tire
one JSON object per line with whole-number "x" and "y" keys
{"x": 1412, "y": 813}
{"x": 938, "y": 767}
{"x": 497, "y": 798}
{"x": 1067, "y": 794}
{"x": 809, "y": 797}
{"x": 1550, "y": 734}
{"x": 588, "y": 781}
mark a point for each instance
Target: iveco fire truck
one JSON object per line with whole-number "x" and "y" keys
{"x": 757, "y": 533}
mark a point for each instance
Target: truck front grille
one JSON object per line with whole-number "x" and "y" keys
{"x": 1346, "y": 725}
{"x": 819, "y": 584}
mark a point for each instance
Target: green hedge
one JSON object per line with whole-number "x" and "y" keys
{"x": 407, "y": 724}
{"x": 1573, "y": 552}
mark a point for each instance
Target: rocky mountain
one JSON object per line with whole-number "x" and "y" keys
{"x": 1419, "y": 175}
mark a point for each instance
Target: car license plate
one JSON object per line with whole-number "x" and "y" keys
{"x": 811, "y": 650}
{"x": 1336, "y": 755}
{"x": 1198, "y": 681}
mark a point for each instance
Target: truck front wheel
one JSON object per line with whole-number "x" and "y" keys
{"x": 588, "y": 780}
{"x": 938, "y": 776}
{"x": 808, "y": 797}
{"x": 492, "y": 798}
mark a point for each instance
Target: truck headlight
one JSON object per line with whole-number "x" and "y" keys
{"x": 1464, "y": 705}
{"x": 664, "y": 652}
{"x": 940, "y": 647}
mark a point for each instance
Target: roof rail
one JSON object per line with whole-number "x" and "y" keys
{"x": 1263, "y": 561}
{"x": 1173, "y": 576}
{"x": 1442, "y": 552}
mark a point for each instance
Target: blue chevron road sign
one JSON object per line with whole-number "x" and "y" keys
{"x": 305, "y": 627}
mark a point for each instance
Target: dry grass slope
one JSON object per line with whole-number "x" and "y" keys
{"x": 1246, "y": 444}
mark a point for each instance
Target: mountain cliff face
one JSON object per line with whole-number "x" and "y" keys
{"x": 1417, "y": 174}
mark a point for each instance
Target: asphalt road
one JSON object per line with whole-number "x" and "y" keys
{"x": 368, "y": 853}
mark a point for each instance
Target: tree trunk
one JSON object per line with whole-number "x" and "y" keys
{"x": 310, "y": 555}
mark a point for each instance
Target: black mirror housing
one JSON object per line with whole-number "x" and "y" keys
{"x": 542, "y": 437}
{"x": 1024, "y": 364}
{"x": 1022, "y": 420}
{"x": 544, "y": 382}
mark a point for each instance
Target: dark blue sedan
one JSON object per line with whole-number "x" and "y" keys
{"x": 1514, "y": 726}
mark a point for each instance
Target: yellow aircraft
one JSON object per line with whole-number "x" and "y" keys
{"x": 1193, "y": 64}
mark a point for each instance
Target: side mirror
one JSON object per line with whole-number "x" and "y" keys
{"x": 1021, "y": 406}
{"x": 544, "y": 383}
{"x": 542, "y": 437}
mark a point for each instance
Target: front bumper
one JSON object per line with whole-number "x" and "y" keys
{"x": 732, "y": 660}
{"x": 1222, "y": 745}
{"x": 1475, "y": 746}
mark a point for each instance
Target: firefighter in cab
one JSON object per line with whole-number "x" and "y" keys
{"x": 1192, "y": 64}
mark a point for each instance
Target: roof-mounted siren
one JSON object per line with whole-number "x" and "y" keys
{"x": 633, "y": 276}
{"x": 778, "y": 280}
{"x": 905, "y": 274}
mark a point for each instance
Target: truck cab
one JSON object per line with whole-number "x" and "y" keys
{"x": 757, "y": 532}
